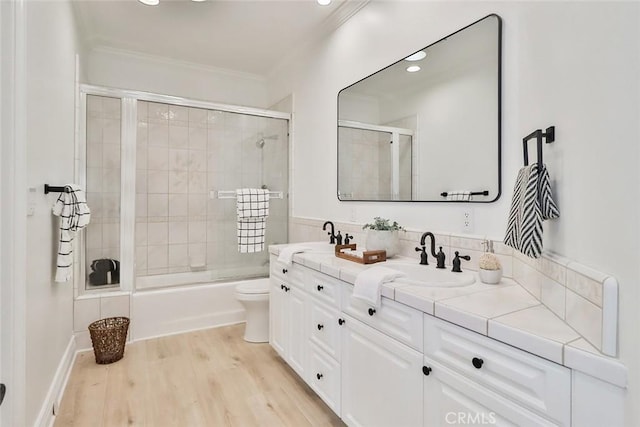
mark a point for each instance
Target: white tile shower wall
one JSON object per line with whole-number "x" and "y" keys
{"x": 573, "y": 292}
{"x": 103, "y": 179}
{"x": 182, "y": 154}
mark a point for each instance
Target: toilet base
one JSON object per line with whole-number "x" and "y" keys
{"x": 257, "y": 325}
{"x": 256, "y": 330}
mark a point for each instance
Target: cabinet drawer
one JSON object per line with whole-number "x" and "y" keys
{"x": 324, "y": 330}
{"x": 451, "y": 399}
{"x": 324, "y": 288}
{"x": 293, "y": 274}
{"x": 533, "y": 382}
{"x": 394, "y": 319}
{"x": 324, "y": 378}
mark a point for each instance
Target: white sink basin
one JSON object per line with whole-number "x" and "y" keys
{"x": 319, "y": 247}
{"x": 423, "y": 275}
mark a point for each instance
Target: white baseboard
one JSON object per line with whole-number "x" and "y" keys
{"x": 52, "y": 400}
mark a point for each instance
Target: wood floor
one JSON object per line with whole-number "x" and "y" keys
{"x": 205, "y": 378}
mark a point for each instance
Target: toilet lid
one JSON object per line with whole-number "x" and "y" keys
{"x": 258, "y": 287}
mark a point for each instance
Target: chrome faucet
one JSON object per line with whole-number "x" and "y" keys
{"x": 423, "y": 252}
{"x": 332, "y": 234}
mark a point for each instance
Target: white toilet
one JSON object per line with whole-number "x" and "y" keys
{"x": 254, "y": 296}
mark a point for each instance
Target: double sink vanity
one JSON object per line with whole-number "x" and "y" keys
{"x": 437, "y": 352}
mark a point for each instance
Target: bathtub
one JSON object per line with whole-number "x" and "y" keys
{"x": 185, "y": 308}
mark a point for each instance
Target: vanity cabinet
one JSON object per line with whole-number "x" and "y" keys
{"x": 395, "y": 365}
{"x": 381, "y": 378}
{"x": 288, "y": 316}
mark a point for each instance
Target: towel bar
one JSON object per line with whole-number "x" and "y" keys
{"x": 549, "y": 135}
{"x": 473, "y": 193}
{"x": 231, "y": 194}
{"x": 54, "y": 189}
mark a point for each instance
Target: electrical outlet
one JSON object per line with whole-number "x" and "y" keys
{"x": 467, "y": 221}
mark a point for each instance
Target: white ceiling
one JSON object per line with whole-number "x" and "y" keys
{"x": 250, "y": 36}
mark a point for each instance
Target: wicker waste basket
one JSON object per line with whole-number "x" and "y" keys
{"x": 109, "y": 337}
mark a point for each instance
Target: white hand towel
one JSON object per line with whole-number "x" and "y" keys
{"x": 369, "y": 282}
{"x": 286, "y": 254}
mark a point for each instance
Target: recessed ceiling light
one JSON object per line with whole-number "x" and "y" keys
{"x": 198, "y": 1}
{"x": 324, "y": 2}
{"x": 413, "y": 68}
{"x": 416, "y": 56}
{"x": 150, "y": 2}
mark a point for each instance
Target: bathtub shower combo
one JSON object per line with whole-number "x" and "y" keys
{"x": 155, "y": 169}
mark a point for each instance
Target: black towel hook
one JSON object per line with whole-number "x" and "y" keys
{"x": 549, "y": 135}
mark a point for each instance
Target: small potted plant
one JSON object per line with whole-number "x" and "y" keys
{"x": 490, "y": 270}
{"x": 383, "y": 235}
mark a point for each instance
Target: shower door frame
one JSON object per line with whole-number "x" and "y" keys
{"x": 128, "y": 140}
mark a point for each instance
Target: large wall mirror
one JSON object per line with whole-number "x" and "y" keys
{"x": 428, "y": 126}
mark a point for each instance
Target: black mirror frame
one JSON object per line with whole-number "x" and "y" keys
{"x": 499, "y": 121}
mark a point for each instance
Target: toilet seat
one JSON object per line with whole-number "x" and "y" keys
{"x": 258, "y": 287}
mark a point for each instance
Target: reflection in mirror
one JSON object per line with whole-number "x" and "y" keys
{"x": 427, "y": 125}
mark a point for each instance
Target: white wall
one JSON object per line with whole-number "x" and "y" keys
{"x": 128, "y": 70}
{"x": 50, "y": 109}
{"x": 572, "y": 65}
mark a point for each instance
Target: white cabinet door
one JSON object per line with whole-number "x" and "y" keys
{"x": 277, "y": 317}
{"x": 296, "y": 323}
{"x": 451, "y": 399}
{"x": 287, "y": 320}
{"x": 381, "y": 379}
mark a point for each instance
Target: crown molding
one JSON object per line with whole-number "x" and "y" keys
{"x": 101, "y": 46}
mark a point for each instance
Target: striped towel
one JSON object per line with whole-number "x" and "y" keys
{"x": 531, "y": 204}
{"x": 74, "y": 214}
{"x": 252, "y": 206}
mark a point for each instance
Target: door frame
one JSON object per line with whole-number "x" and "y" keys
{"x": 13, "y": 221}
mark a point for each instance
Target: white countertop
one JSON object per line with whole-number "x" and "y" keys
{"x": 505, "y": 312}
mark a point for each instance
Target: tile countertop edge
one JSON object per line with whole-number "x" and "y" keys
{"x": 590, "y": 362}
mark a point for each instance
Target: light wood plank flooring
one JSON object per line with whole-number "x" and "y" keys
{"x": 204, "y": 378}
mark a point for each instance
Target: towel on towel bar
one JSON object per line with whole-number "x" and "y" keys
{"x": 457, "y": 195}
{"x": 252, "y": 205}
{"x": 74, "y": 214}
{"x": 368, "y": 283}
{"x": 531, "y": 204}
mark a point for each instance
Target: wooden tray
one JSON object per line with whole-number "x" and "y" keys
{"x": 369, "y": 257}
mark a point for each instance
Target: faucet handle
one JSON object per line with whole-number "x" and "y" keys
{"x": 456, "y": 262}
